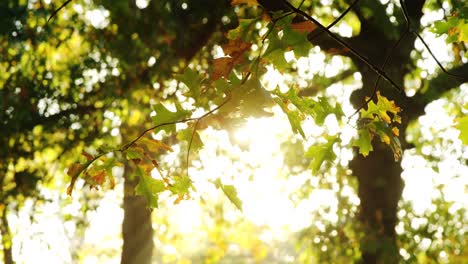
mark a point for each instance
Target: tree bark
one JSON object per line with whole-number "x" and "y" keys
{"x": 5, "y": 232}
{"x": 137, "y": 230}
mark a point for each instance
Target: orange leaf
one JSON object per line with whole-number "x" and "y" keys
{"x": 248, "y": 2}
{"x": 100, "y": 177}
{"x": 73, "y": 171}
{"x": 235, "y": 48}
{"x": 304, "y": 26}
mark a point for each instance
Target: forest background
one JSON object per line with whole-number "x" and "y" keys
{"x": 256, "y": 131}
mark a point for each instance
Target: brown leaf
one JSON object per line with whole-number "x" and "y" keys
{"x": 304, "y": 26}
{"x": 87, "y": 155}
{"x": 100, "y": 177}
{"x": 74, "y": 169}
{"x": 222, "y": 67}
{"x": 235, "y": 48}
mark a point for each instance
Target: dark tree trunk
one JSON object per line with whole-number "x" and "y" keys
{"x": 379, "y": 175}
{"x": 380, "y": 188}
{"x": 6, "y": 237}
{"x": 137, "y": 230}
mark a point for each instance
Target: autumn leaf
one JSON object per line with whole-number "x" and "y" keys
{"x": 99, "y": 177}
{"x": 154, "y": 145}
{"x": 74, "y": 171}
{"x": 222, "y": 67}
{"x": 381, "y": 110}
{"x": 304, "y": 26}
{"x": 248, "y": 2}
{"x": 87, "y": 155}
{"x": 236, "y": 48}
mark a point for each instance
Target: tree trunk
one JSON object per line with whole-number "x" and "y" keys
{"x": 137, "y": 230}
{"x": 379, "y": 177}
{"x": 380, "y": 188}
{"x": 6, "y": 236}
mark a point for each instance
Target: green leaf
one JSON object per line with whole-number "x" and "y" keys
{"x": 181, "y": 185}
{"x": 295, "y": 117}
{"x": 135, "y": 153}
{"x": 231, "y": 192}
{"x": 186, "y": 135}
{"x": 240, "y": 31}
{"x": 318, "y": 110}
{"x": 166, "y": 118}
{"x": 462, "y": 126}
{"x": 192, "y": 79}
{"x": 149, "y": 188}
{"x": 321, "y": 152}
{"x": 276, "y": 57}
{"x": 364, "y": 142}
{"x": 381, "y": 110}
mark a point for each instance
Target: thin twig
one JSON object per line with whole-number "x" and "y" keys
{"x": 376, "y": 83}
{"x": 408, "y": 28}
{"x": 336, "y": 20}
{"x": 126, "y": 146}
{"x": 190, "y": 143}
{"x": 58, "y": 9}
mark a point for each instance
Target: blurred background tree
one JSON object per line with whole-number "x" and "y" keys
{"x": 100, "y": 73}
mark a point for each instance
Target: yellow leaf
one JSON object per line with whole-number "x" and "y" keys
{"x": 154, "y": 145}
{"x": 248, "y": 2}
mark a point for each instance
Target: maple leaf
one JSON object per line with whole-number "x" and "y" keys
{"x": 248, "y": 2}
{"x": 99, "y": 177}
{"x": 320, "y": 153}
{"x": 381, "y": 110}
{"x": 165, "y": 117}
{"x": 223, "y": 66}
{"x": 154, "y": 145}
{"x": 364, "y": 142}
{"x": 149, "y": 188}
{"x": 377, "y": 121}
